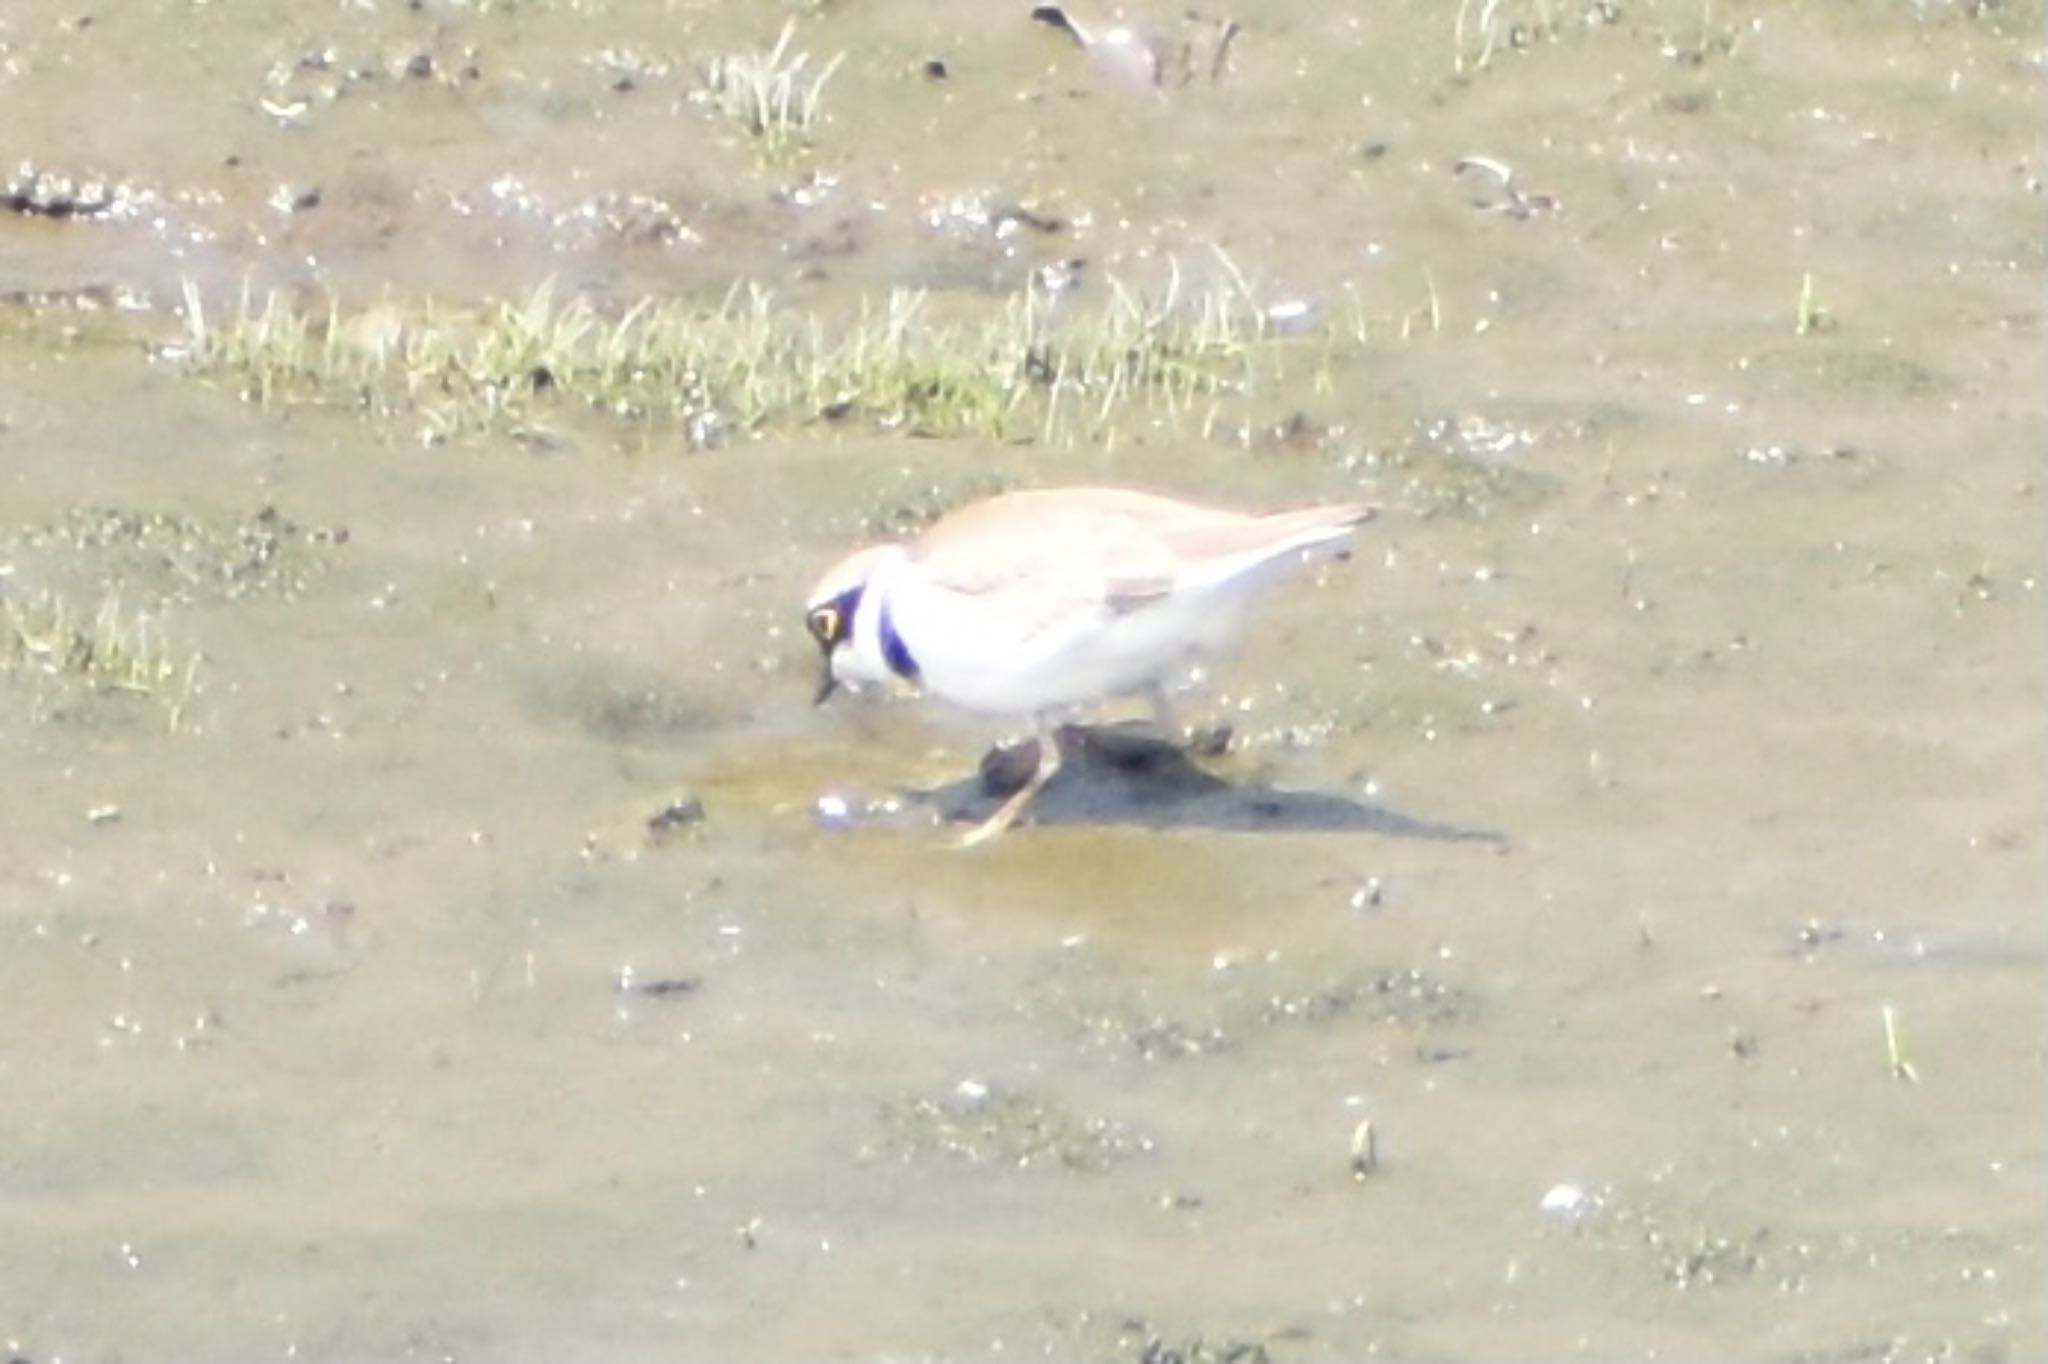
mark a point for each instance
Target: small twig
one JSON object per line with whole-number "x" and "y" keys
{"x": 1895, "y": 1050}
{"x": 1811, "y": 316}
{"x": 1056, "y": 16}
{"x": 1220, "y": 62}
{"x": 1365, "y": 1150}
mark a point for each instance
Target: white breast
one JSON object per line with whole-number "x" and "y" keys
{"x": 990, "y": 652}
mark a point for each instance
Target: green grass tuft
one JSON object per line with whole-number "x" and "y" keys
{"x": 111, "y": 651}
{"x": 1023, "y": 370}
{"x": 770, "y": 95}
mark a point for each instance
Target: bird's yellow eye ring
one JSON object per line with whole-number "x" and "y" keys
{"x": 827, "y": 625}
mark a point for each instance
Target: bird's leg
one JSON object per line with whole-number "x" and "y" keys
{"x": 1162, "y": 711}
{"x": 1006, "y": 814}
{"x": 1205, "y": 743}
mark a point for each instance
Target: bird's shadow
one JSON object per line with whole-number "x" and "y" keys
{"x": 1130, "y": 775}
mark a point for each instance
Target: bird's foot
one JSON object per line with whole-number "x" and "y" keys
{"x": 1045, "y": 755}
{"x": 1008, "y": 769}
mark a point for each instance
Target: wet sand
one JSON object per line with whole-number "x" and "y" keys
{"x": 1677, "y": 722}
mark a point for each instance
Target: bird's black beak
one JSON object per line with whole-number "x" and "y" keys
{"x": 827, "y": 683}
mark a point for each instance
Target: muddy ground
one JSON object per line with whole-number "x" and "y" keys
{"x": 1642, "y": 832}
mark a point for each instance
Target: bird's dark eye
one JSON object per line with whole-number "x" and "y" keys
{"x": 831, "y": 624}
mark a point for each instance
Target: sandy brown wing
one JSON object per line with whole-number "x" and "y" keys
{"x": 1251, "y": 537}
{"x": 1054, "y": 551}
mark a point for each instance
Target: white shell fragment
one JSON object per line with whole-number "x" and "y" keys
{"x": 1569, "y": 1204}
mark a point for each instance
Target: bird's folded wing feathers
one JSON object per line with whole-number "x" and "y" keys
{"x": 1234, "y": 538}
{"x": 1059, "y": 546}
{"x": 1113, "y": 549}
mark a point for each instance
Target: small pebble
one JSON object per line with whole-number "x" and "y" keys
{"x": 679, "y": 813}
{"x": 1568, "y": 1203}
{"x": 1291, "y": 317}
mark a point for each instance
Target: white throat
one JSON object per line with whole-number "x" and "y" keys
{"x": 865, "y": 657}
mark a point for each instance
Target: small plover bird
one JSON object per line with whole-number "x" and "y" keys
{"x": 1030, "y": 602}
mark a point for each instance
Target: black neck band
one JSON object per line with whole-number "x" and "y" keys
{"x": 895, "y": 652}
